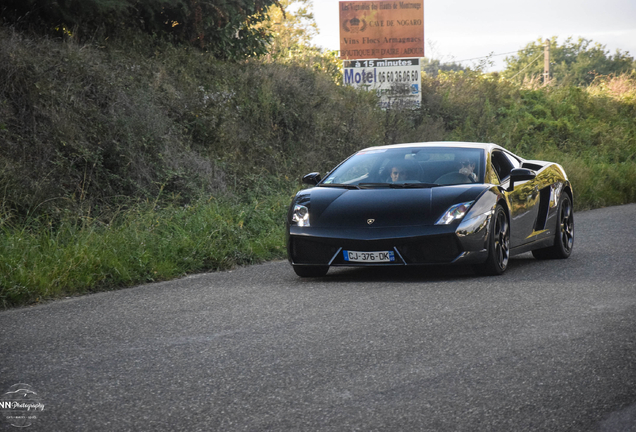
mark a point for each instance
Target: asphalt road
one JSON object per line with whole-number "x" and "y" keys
{"x": 548, "y": 346}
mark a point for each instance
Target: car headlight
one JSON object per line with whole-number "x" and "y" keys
{"x": 300, "y": 215}
{"x": 454, "y": 213}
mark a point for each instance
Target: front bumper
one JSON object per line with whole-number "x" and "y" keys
{"x": 463, "y": 243}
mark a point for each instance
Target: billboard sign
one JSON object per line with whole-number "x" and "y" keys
{"x": 397, "y": 82}
{"x": 381, "y": 29}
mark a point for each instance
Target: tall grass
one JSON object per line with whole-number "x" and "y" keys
{"x": 40, "y": 260}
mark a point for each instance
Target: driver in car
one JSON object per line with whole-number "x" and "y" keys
{"x": 398, "y": 173}
{"x": 467, "y": 168}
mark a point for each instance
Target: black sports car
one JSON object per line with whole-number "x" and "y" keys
{"x": 430, "y": 203}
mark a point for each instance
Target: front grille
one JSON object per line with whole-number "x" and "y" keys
{"x": 305, "y": 251}
{"x": 434, "y": 250}
{"x": 442, "y": 249}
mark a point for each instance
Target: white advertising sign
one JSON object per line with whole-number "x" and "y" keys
{"x": 397, "y": 82}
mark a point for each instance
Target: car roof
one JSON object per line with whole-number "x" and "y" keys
{"x": 449, "y": 144}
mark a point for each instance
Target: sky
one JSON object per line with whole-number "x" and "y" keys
{"x": 461, "y": 30}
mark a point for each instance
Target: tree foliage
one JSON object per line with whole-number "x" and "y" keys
{"x": 573, "y": 62}
{"x": 292, "y": 26}
{"x": 226, "y": 28}
{"x": 432, "y": 67}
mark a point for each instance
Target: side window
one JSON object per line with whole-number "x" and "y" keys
{"x": 502, "y": 164}
{"x": 513, "y": 160}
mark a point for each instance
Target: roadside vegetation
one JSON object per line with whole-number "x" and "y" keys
{"x": 137, "y": 157}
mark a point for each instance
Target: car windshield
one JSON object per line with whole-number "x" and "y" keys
{"x": 409, "y": 167}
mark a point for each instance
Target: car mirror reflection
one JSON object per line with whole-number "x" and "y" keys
{"x": 312, "y": 178}
{"x": 520, "y": 174}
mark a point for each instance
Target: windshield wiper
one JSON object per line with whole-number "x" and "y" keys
{"x": 380, "y": 185}
{"x": 374, "y": 185}
{"x": 413, "y": 185}
{"x": 340, "y": 185}
{"x": 397, "y": 185}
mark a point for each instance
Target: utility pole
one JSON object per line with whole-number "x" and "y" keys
{"x": 546, "y": 62}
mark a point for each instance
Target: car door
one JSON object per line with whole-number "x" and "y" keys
{"x": 523, "y": 199}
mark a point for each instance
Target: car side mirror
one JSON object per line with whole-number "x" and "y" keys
{"x": 312, "y": 178}
{"x": 520, "y": 174}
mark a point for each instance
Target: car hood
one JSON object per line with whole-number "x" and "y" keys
{"x": 381, "y": 207}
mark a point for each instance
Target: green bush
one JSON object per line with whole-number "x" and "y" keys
{"x": 227, "y": 29}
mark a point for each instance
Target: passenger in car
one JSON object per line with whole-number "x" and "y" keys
{"x": 467, "y": 168}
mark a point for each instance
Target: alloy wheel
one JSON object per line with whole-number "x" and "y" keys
{"x": 502, "y": 240}
{"x": 567, "y": 225}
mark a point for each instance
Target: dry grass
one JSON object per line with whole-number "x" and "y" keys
{"x": 620, "y": 87}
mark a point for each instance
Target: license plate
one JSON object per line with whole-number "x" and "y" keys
{"x": 369, "y": 257}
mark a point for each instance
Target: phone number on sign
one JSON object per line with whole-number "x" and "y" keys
{"x": 399, "y": 76}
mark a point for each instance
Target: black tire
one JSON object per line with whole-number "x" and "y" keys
{"x": 498, "y": 245}
{"x": 311, "y": 271}
{"x": 564, "y": 236}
